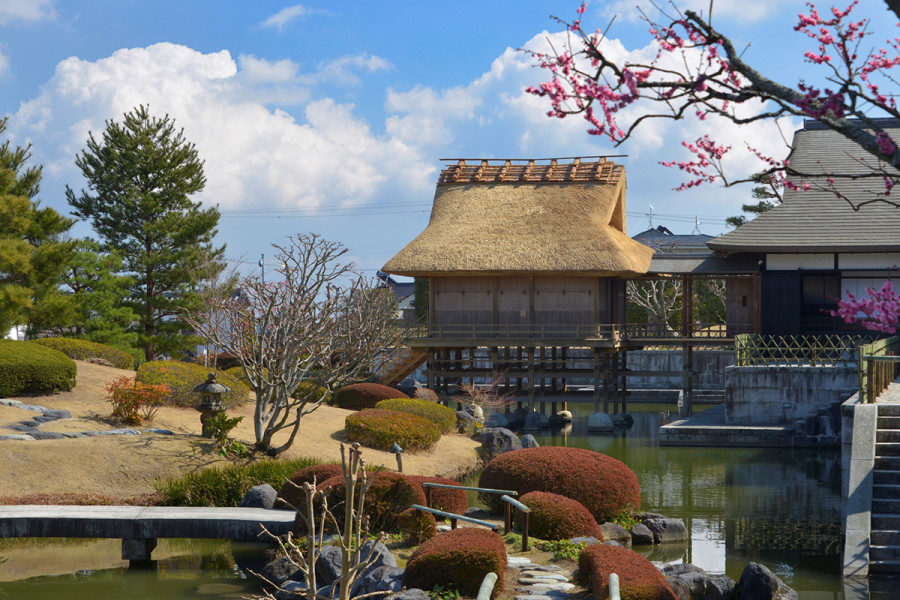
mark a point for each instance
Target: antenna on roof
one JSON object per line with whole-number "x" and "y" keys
{"x": 650, "y": 216}
{"x": 696, "y": 226}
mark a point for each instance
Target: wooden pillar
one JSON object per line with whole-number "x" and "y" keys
{"x": 624, "y": 381}
{"x": 596, "y": 356}
{"x": 615, "y": 381}
{"x": 429, "y": 372}
{"x": 531, "y": 380}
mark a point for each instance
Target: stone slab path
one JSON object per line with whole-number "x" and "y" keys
{"x": 28, "y": 430}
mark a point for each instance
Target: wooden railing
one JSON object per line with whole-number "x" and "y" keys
{"x": 877, "y": 367}
{"x": 602, "y": 331}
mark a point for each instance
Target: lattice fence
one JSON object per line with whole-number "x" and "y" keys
{"x": 798, "y": 350}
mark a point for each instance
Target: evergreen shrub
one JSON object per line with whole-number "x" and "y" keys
{"x": 378, "y": 428}
{"x": 28, "y": 368}
{"x": 313, "y": 392}
{"x": 442, "y": 416}
{"x": 364, "y": 395}
{"x": 459, "y": 558}
{"x": 555, "y": 517}
{"x": 639, "y": 579}
{"x": 83, "y": 349}
{"x": 182, "y": 377}
{"x": 604, "y": 485}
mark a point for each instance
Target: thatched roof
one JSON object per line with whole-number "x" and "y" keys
{"x": 534, "y": 218}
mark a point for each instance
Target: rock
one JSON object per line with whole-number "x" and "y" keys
{"x": 72, "y": 434}
{"x": 464, "y": 421}
{"x": 9, "y": 402}
{"x": 22, "y": 427}
{"x": 159, "y": 431}
{"x": 498, "y": 440}
{"x": 518, "y": 562}
{"x": 383, "y": 579}
{"x": 600, "y": 422}
{"x": 613, "y": 543}
{"x": 720, "y": 587}
{"x": 413, "y": 594}
{"x": 558, "y": 586}
{"x": 17, "y": 436}
{"x": 518, "y": 415}
{"x": 666, "y": 531}
{"x": 586, "y": 540}
{"x": 328, "y": 565}
{"x": 96, "y": 360}
{"x": 477, "y": 413}
{"x": 533, "y": 421}
{"x": 611, "y": 531}
{"x": 528, "y": 441}
{"x": 496, "y": 420}
{"x": 409, "y": 386}
{"x": 54, "y": 415}
{"x": 682, "y": 591}
{"x": 260, "y": 496}
{"x": 564, "y": 416}
{"x": 281, "y": 570}
{"x": 383, "y": 556}
{"x": 624, "y": 420}
{"x": 46, "y": 435}
{"x": 531, "y": 576}
{"x": 31, "y": 407}
{"x": 332, "y": 590}
{"x": 649, "y": 515}
{"x": 292, "y": 590}
{"x": 641, "y": 535}
{"x": 759, "y": 583}
{"x": 695, "y": 578}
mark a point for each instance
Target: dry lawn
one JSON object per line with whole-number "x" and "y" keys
{"x": 126, "y": 466}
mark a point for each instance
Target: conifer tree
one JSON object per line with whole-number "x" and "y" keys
{"x": 141, "y": 174}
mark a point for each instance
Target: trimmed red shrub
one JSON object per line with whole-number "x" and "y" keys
{"x": 364, "y": 395}
{"x": 604, "y": 485}
{"x": 555, "y": 517}
{"x": 460, "y": 558}
{"x": 378, "y": 428}
{"x": 388, "y": 505}
{"x": 452, "y": 501}
{"x": 638, "y": 578}
{"x": 294, "y": 495}
{"x": 426, "y": 394}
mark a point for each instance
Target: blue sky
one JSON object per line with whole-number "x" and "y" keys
{"x": 332, "y": 117}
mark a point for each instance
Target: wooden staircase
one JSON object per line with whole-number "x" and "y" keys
{"x": 401, "y": 363}
{"x": 884, "y": 548}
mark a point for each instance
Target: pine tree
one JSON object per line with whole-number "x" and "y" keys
{"x": 33, "y": 248}
{"x": 141, "y": 175}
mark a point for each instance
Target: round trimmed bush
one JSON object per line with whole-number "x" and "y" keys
{"x": 459, "y": 558}
{"x": 377, "y": 428}
{"x": 27, "y": 368}
{"x": 183, "y": 377}
{"x": 364, "y": 395}
{"x": 238, "y": 373}
{"x": 308, "y": 389}
{"x": 388, "y": 505}
{"x": 442, "y": 416}
{"x": 555, "y": 517}
{"x": 426, "y": 394}
{"x": 292, "y": 494}
{"x": 638, "y": 578}
{"x": 445, "y": 499}
{"x": 83, "y": 350}
{"x": 604, "y": 485}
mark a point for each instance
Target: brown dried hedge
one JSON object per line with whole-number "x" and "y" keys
{"x": 604, "y": 485}
{"x": 294, "y": 495}
{"x": 638, "y": 578}
{"x": 388, "y": 505}
{"x": 379, "y": 428}
{"x": 461, "y": 558}
{"x": 555, "y": 517}
{"x": 452, "y": 501}
{"x": 363, "y": 395}
{"x": 426, "y": 394}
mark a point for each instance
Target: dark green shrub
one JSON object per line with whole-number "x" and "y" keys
{"x": 442, "y": 416}
{"x": 388, "y": 505}
{"x": 293, "y": 495}
{"x": 183, "y": 377}
{"x": 364, "y": 395}
{"x": 445, "y": 499}
{"x": 27, "y": 368}
{"x": 83, "y": 349}
{"x": 377, "y": 428}
{"x": 459, "y": 558}
{"x": 555, "y": 517}
{"x": 226, "y": 486}
{"x": 312, "y": 391}
{"x": 638, "y": 578}
{"x": 604, "y": 485}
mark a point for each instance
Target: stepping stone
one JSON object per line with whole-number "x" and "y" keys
{"x": 545, "y": 568}
{"x": 517, "y": 561}
{"x": 120, "y": 432}
{"x": 72, "y": 434}
{"x": 533, "y": 580}
{"x": 17, "y": 436}
{"x": 46, "y": 435}
{"x": 9, "y": 402}
{"x": 533, "y": 597}
{"x": 159, "y": 431}
{"x": 31, "y": 407}
{"x": 442, "y": 528}
{"x": 542, "y": 575}
{"x": 547, "y": 587}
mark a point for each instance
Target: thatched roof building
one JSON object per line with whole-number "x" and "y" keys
{"x": 504, "y": 218}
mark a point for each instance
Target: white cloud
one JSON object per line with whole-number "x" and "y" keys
{"x": 341, "y": 70}
{"x": 284, "y": 16}
{"x": 4, "y": 63}
{"x": 26, "y": 10}
{"x": 255, "y": 156}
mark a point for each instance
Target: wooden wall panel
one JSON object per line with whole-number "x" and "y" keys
{"x": 463, "y": 300}
{"x": 564, "y": 300}
{"x": 512, "y": 300}
{"x": 739, "y": 306}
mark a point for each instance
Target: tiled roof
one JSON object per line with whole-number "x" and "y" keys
{"x": 817, "y": 220}
{"x": 596, "y": 169}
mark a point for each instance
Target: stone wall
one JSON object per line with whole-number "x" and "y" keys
{"x": 708, "y": 364}
{"x": 782, "y": 395}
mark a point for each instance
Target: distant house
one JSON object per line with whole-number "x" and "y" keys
{"x": 405, "y": 293}
{"x": 814, "y": 247}
{"x": 662, "y": 240}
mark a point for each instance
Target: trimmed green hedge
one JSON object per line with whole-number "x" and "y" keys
{"x": 604, "y": 485}
{"x": 639, "y": 579}
{"x": 27, "y": 368}
{"x": 313, "y": 391}
{"x": 83, "y": 349}
{"x": 378, "y": 428}
{"x": 442, "y": 416}
{"x": 183, "y": 377}
{"x": 459, "y": 558}
{"x": 555, "y": 517}
{"x": 364, "y": 395}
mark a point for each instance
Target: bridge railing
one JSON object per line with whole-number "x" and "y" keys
{"x": 877, "y": 367}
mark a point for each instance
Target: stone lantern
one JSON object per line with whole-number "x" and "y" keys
{"x": 210, "y": 401}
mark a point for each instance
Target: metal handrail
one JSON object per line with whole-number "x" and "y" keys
{"x": 454, "y": 517}
{"x": 429, "y": 485}
{"x": 512, "y": 502}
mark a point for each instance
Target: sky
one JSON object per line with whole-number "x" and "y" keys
{"x": 333, "y": 117}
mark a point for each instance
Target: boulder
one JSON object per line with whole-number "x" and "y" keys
{"x": 496, "y": 420}
{"x": 694, "y": 578}
{"x": 282, "y": 569}
{"x": 96, "y": 360}
{"x": 759, "y": 583}
{"x": 682, "y": 591}
{"x": 528, "y": 441}
{"x": 667, "y": 531}
{"x": 641, "y": 535}
{"x": 260, "y": 496}
{"x": 624, "y": 420}
{"x": 564, "y": 415}
{"x": 588, "y": 540}
{"x": 382, "y": 556}
{"x": 533, "y": 421}
{"x": 611, "y": 531}
{"x": 292, "y": 590}
{"x": 720, "y": 587}
{"x": 518, "y": 415}
{"x": 649, "y": 515}
{"x": 600, "y": 422}
{"x": 498, "y": 440}
{"x": 464, "y": 421}
{"x": 413, "y": 594}
{"x": 383, "y": 579}
{"x": 328, "y": 565}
